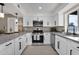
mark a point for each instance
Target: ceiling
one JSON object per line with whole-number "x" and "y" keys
{"x": 34, "y": 8}
{"x": 24, "y": 9}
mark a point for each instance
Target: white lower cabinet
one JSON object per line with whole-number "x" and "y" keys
{"x": 18, "y": 46}
{"x": 75, "y": 48}
{"x": 7, "y": 48}
{"x": 60, "y": 45}
{"x": 74, "y": 52}
{"x": 66, "y": 46}
{"x": 63, "y": 46}
{"x": 47, "y": 38}
{"x": 24, "y": 41}
{"x": 14, "y": 47}
{"x": 57, "y": 44}
{"x": 29, "y": 38}
{"x": 21, "y": 43}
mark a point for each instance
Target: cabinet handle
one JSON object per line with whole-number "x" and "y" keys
{"x": 77, "y": 47}
{"x": 19, "y": 45}
{"x": 8, "y": 44}
{"x": 70, "y": 52}
{"x": 58, "y": 45}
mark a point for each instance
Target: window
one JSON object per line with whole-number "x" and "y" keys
{"x": 73, "y": 19}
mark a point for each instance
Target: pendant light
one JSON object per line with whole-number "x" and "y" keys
{"x": 1, "y": 11}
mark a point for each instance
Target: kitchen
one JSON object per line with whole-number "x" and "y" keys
{"x": 51, "y": 28}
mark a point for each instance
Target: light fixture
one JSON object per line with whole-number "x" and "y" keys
{"x": 1, "y": 11}
{"x": 16, "y": 18}
{"x": 16, "y": 15}
{"x": 39, "y": 7}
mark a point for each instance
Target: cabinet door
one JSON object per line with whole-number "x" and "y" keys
{"x": 46, "y": 38}
{"x": 24, "y": 41}
{"x": 63, "y": 46}
{"x": 7, "y": 48}
{"x": 75, "y": 48}
{"x": 69, "y": 47}
{"x": 18, "y": 46}
{"x": 57, "y": 44}
{"x": 29, "y": 38}
{"x": 74, "y": 52}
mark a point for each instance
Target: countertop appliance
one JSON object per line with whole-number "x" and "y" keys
{"x": 37, "y": 23}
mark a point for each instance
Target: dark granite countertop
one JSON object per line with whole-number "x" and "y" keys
{"x": 74, "y": 38}
{"x": 7, "y": 37}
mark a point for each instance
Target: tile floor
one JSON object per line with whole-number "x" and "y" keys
{"x": 39, "y": 50}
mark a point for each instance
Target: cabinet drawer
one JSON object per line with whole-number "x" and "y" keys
{"x": 76, "y": 48}
{"x": 75, "y": 45}
{"x": 75, "y": 51}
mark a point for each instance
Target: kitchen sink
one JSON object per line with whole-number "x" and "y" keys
{"x": 72, "y": 35}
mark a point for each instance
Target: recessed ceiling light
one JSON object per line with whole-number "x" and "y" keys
{"x": 39, "y": 7}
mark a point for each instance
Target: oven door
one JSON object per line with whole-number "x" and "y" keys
{"x": 37, "y": 39}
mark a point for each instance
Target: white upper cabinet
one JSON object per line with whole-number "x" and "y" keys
{"x": 58, "y": 20}
{"x": 55, "y": 20}
{"x": 28, "y": 20}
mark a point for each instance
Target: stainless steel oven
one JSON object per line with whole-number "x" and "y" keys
{"x": 37, "y": 38}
